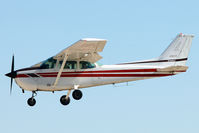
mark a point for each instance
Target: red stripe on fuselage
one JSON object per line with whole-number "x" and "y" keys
{"x": 104, "y": 71}
{"x": 109, "y": 75}
{"x": 22, "y": 76}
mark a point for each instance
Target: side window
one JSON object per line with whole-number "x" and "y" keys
{"x": 68, "y": 65}
{"x": 86, "y": 65}
{"x": 48, "y": 64}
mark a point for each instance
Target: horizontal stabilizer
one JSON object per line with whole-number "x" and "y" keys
{"x": 173, "y": 69}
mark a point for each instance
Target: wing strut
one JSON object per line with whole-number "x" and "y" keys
{"x": 61, "y": 70}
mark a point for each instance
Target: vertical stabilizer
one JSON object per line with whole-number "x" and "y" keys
{"x": 177, "y": 52}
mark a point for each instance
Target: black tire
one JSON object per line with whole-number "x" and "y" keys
{"x": 77, "y": 94}
{"x": 64, "y": 101}
{"x": 31, "y": 101}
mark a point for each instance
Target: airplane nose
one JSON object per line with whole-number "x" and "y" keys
{"x": 11, "y": 74}
{"x": 8, "y": 75}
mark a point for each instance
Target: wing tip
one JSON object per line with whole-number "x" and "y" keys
{"x": 92, "y": 39}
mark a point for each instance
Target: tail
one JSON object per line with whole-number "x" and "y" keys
{"x": 175, "y": 55}
{"x": 177, "y": 52}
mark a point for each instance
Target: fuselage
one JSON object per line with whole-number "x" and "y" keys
{"x": 37, "y": 79}
{"x": 75, "y": 67}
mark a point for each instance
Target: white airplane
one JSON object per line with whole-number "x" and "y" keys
{"x": 76, "y": 67}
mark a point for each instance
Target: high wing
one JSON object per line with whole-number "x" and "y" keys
{"x": 85, "y": 49}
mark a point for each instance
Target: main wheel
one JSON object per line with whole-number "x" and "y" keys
{"x": 31, "y": 101}
{"x": 64, "y": 101}
{"x": 77, "y": 94}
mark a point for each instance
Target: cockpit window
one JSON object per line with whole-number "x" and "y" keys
{"x": 48, "y": 64}
{"x": 86, "y": 65}
{"x": 68, "y": 65}
{"x": 51, "y": 63}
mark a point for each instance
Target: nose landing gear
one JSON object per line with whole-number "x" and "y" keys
{"x": 31, "y": 101}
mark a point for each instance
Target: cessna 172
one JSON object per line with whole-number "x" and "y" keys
{"x": 75, "y": 67}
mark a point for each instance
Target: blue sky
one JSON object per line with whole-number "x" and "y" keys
{"x": 135, "y": 30}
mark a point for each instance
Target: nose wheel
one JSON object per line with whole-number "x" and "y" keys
{"x": 31, "y": 101}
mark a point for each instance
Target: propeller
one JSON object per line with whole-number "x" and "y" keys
{"x": 12, "y": 74}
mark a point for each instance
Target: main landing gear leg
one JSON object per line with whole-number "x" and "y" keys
{"x": 31, "y": 101}
{"x": 65, "y": 99}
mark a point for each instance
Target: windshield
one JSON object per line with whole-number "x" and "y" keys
{"x": 52, "y": 63}
{"x": 49, "y": 64}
